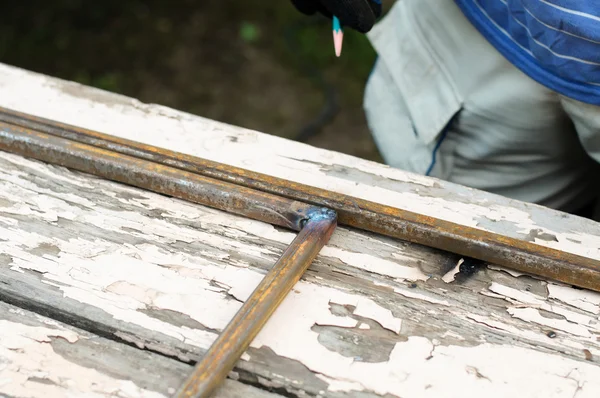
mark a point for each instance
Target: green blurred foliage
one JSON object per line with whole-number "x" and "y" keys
{"x": 248, "y": 63}
{"x": 105, "y": 43}
{"x": 249, "y": 32}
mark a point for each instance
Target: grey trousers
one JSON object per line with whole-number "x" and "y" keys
{"x": 442, "y": 101}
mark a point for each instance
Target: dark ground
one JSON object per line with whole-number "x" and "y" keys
{"x": 247, "y": 63}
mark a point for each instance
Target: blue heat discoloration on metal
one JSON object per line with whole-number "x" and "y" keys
{"x": 318, "y": 214}
{"x": 321, "y": 213}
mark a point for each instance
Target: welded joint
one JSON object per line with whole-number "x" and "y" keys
{"x": 317, "y": 214}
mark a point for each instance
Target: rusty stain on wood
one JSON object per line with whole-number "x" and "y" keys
{"x": 513, "y": 253}
{"x": 264, "y": 300}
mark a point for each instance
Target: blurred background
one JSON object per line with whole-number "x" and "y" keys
{"x": 253, "y": 63}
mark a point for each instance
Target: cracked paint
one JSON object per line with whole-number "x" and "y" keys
{"x": 451, "y": 275}
{"x": 369, "y": 309}
{"x": 375, "y": 264}
{"x": 583, "y": 299}
{"x": 29, "y": 367}
{"x": 533, "y": 315}
{"x": 577, "y": 320}
{"x": 202, "y": 264}
{"x": 163, "y": 127}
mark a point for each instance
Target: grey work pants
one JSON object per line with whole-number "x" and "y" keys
{"x": 441, "y": 100}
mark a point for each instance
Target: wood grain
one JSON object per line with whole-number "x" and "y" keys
{"x": 125, "y": 117}
{"x": 176, "y": 174}
{"x": 40, "y": 357}
{"x": 372, "y": 317}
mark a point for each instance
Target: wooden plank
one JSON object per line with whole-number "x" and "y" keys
{"x": 371, "y": 317}
{"x": 121, "y": 116}
{"x": 146, "y": 167}
{"x": 40, "y": 357}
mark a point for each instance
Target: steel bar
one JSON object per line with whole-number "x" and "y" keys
{"x": 155, "y": 177}
{"x": 315, "y": 225}
{"x": 468, "y": 241}
{"x": 254, "y": 313}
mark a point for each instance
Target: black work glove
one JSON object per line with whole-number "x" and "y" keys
{"x": 359, "y": 15}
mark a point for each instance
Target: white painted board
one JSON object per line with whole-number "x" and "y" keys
{"x": 121, "y": 116}
{"x": 372, "y": 316}
{"x": 42, "y": 357}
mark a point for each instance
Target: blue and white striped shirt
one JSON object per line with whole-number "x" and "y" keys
{"x": 555, "y": 42}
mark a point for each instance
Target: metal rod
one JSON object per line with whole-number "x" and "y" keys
{"x": 252, "y": 316}
{"x": 468, "y": 241}
{"x": 315, "y": 225}
{"x": 155, "y": 177}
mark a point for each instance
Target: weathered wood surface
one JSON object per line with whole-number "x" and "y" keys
{"x": 163, "y": 127}
{"x": 40, "y": 357}
{"x": 372, "y": 316}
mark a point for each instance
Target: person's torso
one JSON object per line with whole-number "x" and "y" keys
{"x": 433, "y": 66}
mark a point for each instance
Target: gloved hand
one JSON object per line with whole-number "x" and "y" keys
{"x": 360, "y": 15}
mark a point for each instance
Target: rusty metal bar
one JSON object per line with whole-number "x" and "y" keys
{"x": 155, "y": 177}
{"x": 513, "y": 253}
{"x": 252, "y": 316}
{"x": 316, "y": 224}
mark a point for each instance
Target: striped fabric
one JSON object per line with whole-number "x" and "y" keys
{"x": 555, "y": 42}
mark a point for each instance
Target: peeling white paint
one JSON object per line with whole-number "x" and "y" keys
{"x": 163, "y": 127}
{"x": 124, "y": 280}
{"x": 369, "y": 309}
{"x": 14, "y": 334}
{"x": 131, "y": 279}
{"x": 419, "y": 296}
{"x": 526, "y": 332}
{"x": 512, "y": 372}
{"x": 336, "y": 385}
{"x": 137, "y": 226}
{"x": 408, "y": 371}
{"x": 450, "y": 275}
{"x": 375, "y": 264}
{"x": 27, "y": 356}
{"x": 418, "y": 369}
{"x": 516, "y": 295}
{"x": 583, "y": 299}
{"x": 533, "y": 315}
{"x": 456, "y": 336}
{"x": 530, "y": 300}
{"x": 412, "y": 293}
